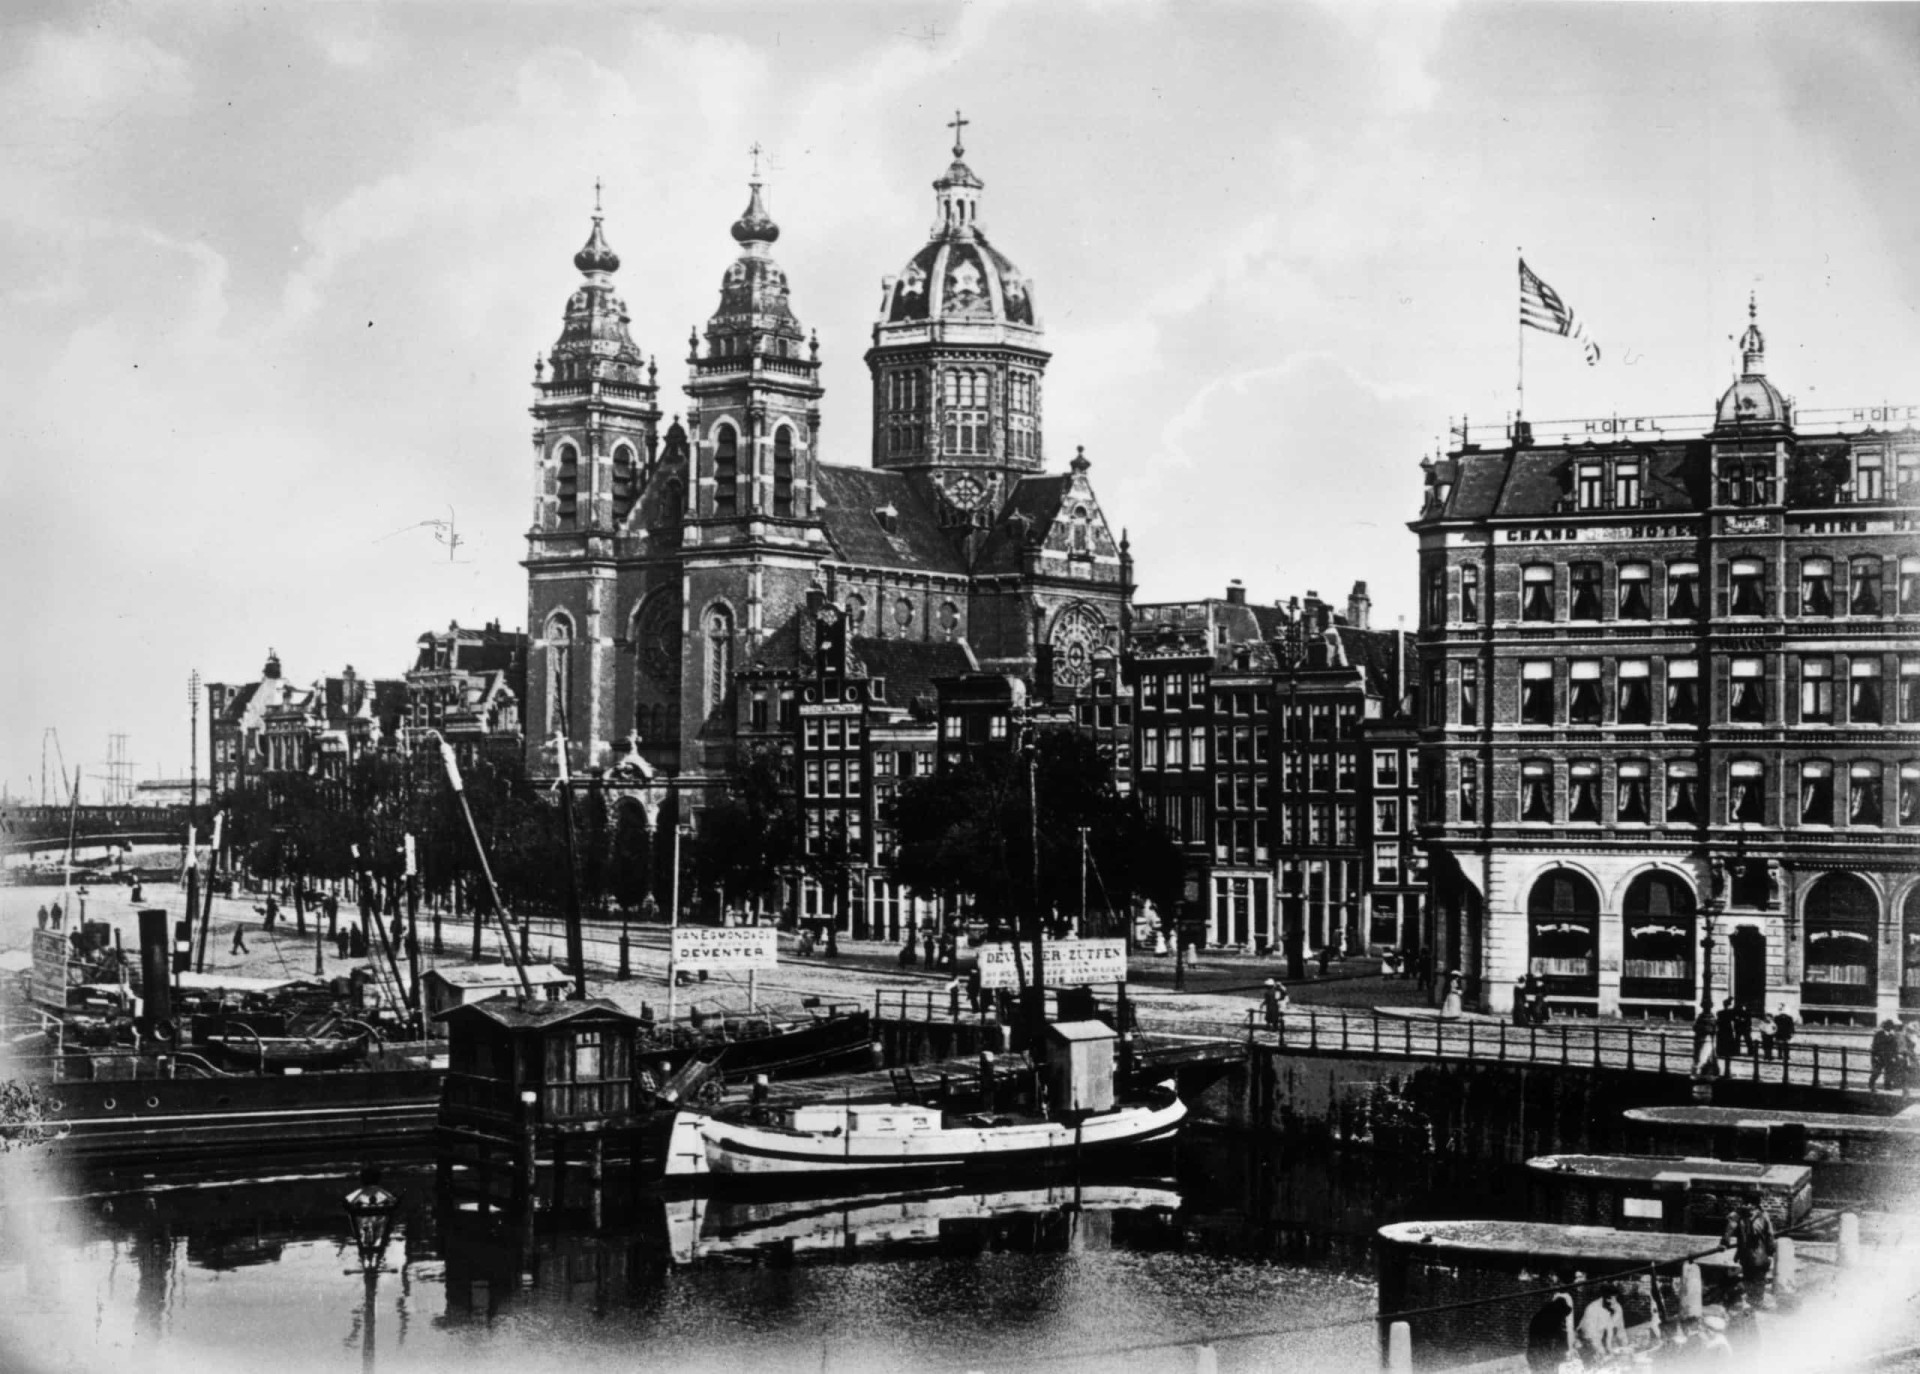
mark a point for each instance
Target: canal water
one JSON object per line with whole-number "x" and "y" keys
{"x": 250, "y": 1269}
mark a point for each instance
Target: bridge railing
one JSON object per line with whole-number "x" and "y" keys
{"x": 1564, "y": 1044}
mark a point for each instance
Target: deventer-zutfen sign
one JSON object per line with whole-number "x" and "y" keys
{"x": 720, "y": 947}
{"x": 1069, "y": 963}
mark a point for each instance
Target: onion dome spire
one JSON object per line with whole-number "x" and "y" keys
{"x": 596, "y": 256}
{"x": 755, "y": 225}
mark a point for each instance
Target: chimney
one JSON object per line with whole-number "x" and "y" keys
{"x": 1236, "y": 593}
{"x": 1359, "y": 606}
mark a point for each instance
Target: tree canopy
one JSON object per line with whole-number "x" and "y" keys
{"x": 967, "y": 832}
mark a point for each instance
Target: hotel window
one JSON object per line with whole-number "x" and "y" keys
{"x": 1636, "y": 591}
{"x": 813, "y": 777}
{"x": 1470, "y": 591}
{"x": 1469, "y": 791}
{"x": 1536, "y": 692}
{"x": 1536, "y": 591}
{"x": 1816, "y": 691}
{"x": 950, "y": 728}
{"x": 1683, "y": 591}
{"x": 1469, "y": 693}
{"x": 1584, "y": 581}
{"x": 1746, "y": 791}
{"x": 1344, "y": 818}
{"x": 1683, "y": 792}
{"x": 1683, "y": 691}
{"x": 834, "y": 777}
{"x": 1437, "y": 597}
{"x": 1749, "y": 577}
{"x": 1347, "y": 762}
{"x": 1863, "y": 794}
{"x": 1864, "y": 582}
{"x": 1323, "y": 772}
{"x": 1636, "y": 691}
{"x": 1869, "y": 476}
{"x": 1583, "y": 692}
{"x": 1583, "y": 795}
{"x": 1386, "y": 768}
{"x": 1910, "y": 585}
{"x": 1536, "y": 791}
{"x": 1176, "y": 748}
{"x": 1319, "y": 823}
{"x": 1634, "y": 807}
{"x": 1910, "y": 690}
{"x": 1591, "y": 484}
{"x": 1196, "y": 746}
{"x": 1386, "y": 816}
{"x": 1816, "y": 793}
{"x": 1626, "y": 485}
{"x": 1747, "y": 697}
{"x": 1910, "y": 794}
{"x": 1816, "y": 586}
{"x": 1863, "y": 692}
{"x": 810, "y": 733}
{"x": 1150, "y": 749}
{"x": 1386, "y": 863}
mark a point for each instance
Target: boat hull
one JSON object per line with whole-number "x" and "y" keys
{"x": 723, "y": 1150}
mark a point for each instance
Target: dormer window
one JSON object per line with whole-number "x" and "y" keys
{"x": 887, "y": 517}
{"x": 1082, "y": 538}
{"x": 1591, "y": 483}
{"x": 1626, "y": 484}
{"x": 1869, "y": 476}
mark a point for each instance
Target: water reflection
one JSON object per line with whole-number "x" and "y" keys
{"x": 965, "y": 1277}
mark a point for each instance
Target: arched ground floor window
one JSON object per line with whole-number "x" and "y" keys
{"x": 1658, "y": 935}
{"x": 1842, "y": 923}
{"x": 1563, "y": 934}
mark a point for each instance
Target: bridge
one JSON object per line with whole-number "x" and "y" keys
{"x": 39, "y": 829}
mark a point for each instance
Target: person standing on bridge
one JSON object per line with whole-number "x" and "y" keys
{"x": 1783, "y": 1036}
{"x": 43, "y": 915}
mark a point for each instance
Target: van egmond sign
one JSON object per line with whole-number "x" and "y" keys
{"x": 716, "y": 947}
{"x": 1069, "y": 963}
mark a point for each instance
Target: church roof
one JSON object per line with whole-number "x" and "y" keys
{"x": 910, "y": 666}
{"x": 1031, "y": 509}
{"x": 961, "y": 278}
{"x": 878, "y": 519}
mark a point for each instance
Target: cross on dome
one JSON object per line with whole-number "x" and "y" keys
{"x": 958, "y": 125}
{"x": 755, "y": 150}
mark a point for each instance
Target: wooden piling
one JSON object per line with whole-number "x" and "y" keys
{"x": 1847, "y": 1253}
{"x": 1206, "y": 1360}
{"x": 1400, "y": 1348}
{"x": 1786, "y": 1265}
{"x": 1691, "y": 1298}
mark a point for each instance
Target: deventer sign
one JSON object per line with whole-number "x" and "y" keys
{"x": 717, "y": 947}
{"x": 1069, "y": 963}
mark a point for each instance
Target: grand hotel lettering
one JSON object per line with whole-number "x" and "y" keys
{"x": 1546, "y": 534}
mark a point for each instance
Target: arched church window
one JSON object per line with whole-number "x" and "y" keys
{"x": 1082, "y": 537}
{"x": 626, "y": 482}
{"x": 726, "y": 471}
{"x": 967, "y": 429}
{"x": 903, "y": 613}
{"x": 949, "y": 619}
{"x": 567, "y": 488}
{"x": 783, "y": 471}
{"x": 856, "y": 608}
{"x": 719, "y": 628}
{"x": 559, "y": 675}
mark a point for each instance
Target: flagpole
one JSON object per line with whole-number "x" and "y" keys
{"x": 1520, "y": 328}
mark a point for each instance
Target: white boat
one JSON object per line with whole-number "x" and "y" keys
{"x": 898, "y": 1138}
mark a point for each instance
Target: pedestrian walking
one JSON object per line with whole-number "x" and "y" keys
{"x": 1521, "y": 1010}
{"x": 1783, "y": 1035}
{"x": 1743, "y": 1027}
{"x": 1749, "y": 1234}
{"x": 1542, "y": 1011}
{"x": 53, "y": 917}
{"x": 1326, "y": 958}
{"x": 1724, "y": 1033}
{"x": 1704, "y": 1063}
{"x": 271, "y": 913}
{"x": 43, "y": 915}
{"x": 239, "y": 945}
{"x": 1882, "y": 1055}
{"x": 973, "y": 989}
{"x": 1550, "y": 1334}
{"x": 1910, "y": 1056}
{"x": 953, "y": 1000}
{"x": 331, "y": 906}
{"x": 1270, "y": 1000}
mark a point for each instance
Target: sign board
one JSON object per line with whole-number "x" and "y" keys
{"x": 711, "y": 947}
{"x": 50, "y": 968}
{"x": 1069, "y": 963}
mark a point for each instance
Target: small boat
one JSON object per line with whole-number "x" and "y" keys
{"x": 284, "y": 1053}
{"x": 894, "y": 1138}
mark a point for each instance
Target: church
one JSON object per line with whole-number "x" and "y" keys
{"x": 676, "y": 576}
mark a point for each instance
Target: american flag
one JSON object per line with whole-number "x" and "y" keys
{"x": 1542, "y": 308}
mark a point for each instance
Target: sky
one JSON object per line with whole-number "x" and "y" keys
{"x": 273, "y": 278}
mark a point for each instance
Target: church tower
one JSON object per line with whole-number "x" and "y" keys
{"x": 957, "y": 362}
{"x": 594, "y": 446}
{"x": 753, "y": 538}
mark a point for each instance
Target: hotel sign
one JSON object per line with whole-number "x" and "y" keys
{"x": 1068, "y": 963}
{"x": 714, "y": 947}
{"x": 1600, "y": 534}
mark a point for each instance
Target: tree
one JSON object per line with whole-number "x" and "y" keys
{"x": 969, "y": 831}
{"x": 26, "y": 1118}
{"x": 750, "y": 835}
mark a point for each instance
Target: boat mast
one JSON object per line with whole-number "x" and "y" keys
{"x": 576, "y": 948}
{"x": 486, "y": 869}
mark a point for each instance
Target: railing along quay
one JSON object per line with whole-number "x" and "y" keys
{"x": 1565, "y": 1044}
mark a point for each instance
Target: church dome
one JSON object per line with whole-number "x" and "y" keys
{"x": 959, "y": 275}
{"x": 1752, "y": 399}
